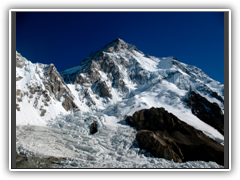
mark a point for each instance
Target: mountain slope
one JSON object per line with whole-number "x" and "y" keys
{"x": 41, "y": 93}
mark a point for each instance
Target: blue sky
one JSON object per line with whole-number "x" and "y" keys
{"x": 66, "y": 38}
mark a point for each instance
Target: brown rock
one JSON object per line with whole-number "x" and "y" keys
{"x": 158, "y": 145}
{"x": 104, "y": 90}
{"x": 19, "y": 78}
{"x": 56, "y": 86}
{"x": 43, "y": 111}
{"x": 93, "y": 128}
{"x": 18, "y": 92}
{"x": 17, "y": 107}
{"x": 166, "y": 136}
{"x": 68, "y": 104}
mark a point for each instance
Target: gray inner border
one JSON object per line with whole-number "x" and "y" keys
{"x": 226, "y": 90}
{"x": 226, "y": 86}
{"x": 13, "y": 90}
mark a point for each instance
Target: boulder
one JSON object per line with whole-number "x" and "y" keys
{"x": 166, "y": 136}
{"x": 93, "y": 128}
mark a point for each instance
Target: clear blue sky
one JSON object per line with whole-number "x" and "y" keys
{"x": 66, "y": 38}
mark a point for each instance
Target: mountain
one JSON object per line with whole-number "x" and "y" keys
{"x": 119, "y": 80}
{"x": 41, "y": 93}
{"x": 105, "y": 88}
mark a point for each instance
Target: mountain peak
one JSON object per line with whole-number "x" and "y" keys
{"x": 116, "y": 42}
{"x": 118, "y": 45}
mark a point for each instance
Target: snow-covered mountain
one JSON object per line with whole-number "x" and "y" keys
{"x": 108, "y": 85}
{"x": 120, "y": 71}
{"x": 119, "y": 80}
{"x": 41, "y": 93}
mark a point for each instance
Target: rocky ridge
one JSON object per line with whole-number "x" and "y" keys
{"x": 166, "y": 136}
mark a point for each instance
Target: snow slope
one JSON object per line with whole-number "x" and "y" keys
{"x": 35, "y": 103}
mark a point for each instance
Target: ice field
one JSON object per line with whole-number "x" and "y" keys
{"x": 113, "y": 146}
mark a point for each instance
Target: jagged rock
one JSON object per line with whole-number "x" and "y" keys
{"x": 111, "y": 49}
{"x": 43, "y": 111}
{"x": 93, "y": 128}
{"x": 17, "y": 107}
{"x": 94, "y": 76}
{"x": 46, "y": 96}
{"x": 104, "y": 90}
{"x": 57, "y": 86}
{"x": 166, "y": 136}
{"x": 55, "y": 81}
{"x": 19, "y": 78}
{"x": 19, "y": 60}
{"x": 147, "y": 55}
{"x": 68, "y": 104}
{"x": 18, "y": 92}
{"x": 208, "y": 112}
{"x": 214, "y": 94}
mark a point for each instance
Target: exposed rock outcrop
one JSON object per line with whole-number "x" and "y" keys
{"x": 93, "y": 128}
{"x": 166, "y": 136}
{"x": 208, "y": 112}
{"x": 56, "y": 86}
{"x": 104, "y": 90}
{"x": 69, "y": 104}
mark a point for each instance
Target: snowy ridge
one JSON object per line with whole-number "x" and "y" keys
{"x": 35, "y": 103}
{"x": 131, "y": 69}
{"x": 106, "y": 86}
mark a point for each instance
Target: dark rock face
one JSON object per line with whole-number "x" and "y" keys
{"x": 208, "y": 112}
{"x": 93, "y": 128}
{"x": 56, "y": 86}
{"x": 68, "y": 104}
{"x": 104, "y": 90}
{"x": 166, "y": 136}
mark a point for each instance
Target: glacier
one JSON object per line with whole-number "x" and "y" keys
{"x": 113, "y": 146}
